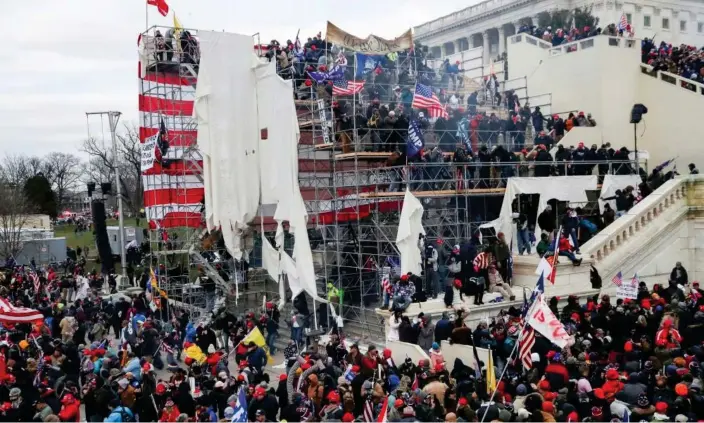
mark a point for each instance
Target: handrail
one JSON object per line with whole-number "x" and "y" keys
{"x": 671, "y": 78}
{"x": 671, "y": 194}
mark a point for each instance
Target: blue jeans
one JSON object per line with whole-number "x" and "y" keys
{"x": 573, "y": 234}
{"x": 401, "y": 302}
{"x": 569, "y": 255}
{"x": 387, "y": 299}
{"x": 297, "y": 334}
{"x": 523, "y": 241}
{"x": 270, "y": 341}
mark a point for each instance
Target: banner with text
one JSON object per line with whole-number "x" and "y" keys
{"x": 628, "y": 289}
{"x": 542, "y": 319}
{"x": 370, "y": 45}
{"x": 322, "y": 115}
{"x": 149, "y": 152}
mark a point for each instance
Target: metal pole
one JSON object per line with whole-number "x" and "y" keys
{"x": 113, "y": 118}
{"x": 503, "y": 373}
{"x": 635, "y": 145}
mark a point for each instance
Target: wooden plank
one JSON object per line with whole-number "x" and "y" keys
{"x": 363, "y": 155}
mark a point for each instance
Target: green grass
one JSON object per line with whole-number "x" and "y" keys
{"x": 85, "y": 239}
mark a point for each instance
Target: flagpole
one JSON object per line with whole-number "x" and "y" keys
{"x": 146, "y": 15}
{"x": 503, "y": 373}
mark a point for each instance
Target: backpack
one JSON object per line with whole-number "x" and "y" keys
{"x": 125, "y": 416}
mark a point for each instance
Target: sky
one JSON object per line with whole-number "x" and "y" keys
{"x": 65, "y": 58}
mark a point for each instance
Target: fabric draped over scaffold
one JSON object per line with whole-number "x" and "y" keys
{"x": 248, "y": 133}
{"x": 572, "y": 189}
{"x": 410, "y": 228}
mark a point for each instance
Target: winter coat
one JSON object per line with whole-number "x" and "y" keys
{"x": 426, "y": 337}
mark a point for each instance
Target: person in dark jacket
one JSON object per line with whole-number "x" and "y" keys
{"x": 443, "y": 328}
{"x": 256, "y": 357}
{"x": 546, "y": 221}
{"x": 679, "y": 274}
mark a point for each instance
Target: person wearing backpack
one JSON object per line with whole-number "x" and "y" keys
{"x": 119, "y": 413}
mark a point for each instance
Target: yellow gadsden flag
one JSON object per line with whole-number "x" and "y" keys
{"x": 255, "y": 335}
{"x": 177, "y": 27}
{"x": 490, "y": 374}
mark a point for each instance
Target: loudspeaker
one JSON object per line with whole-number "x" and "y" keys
{"x": 101, "y": 237}
{"x": 105, "y": 188}
{"x": 637, "y": 112}
{"x": 91, "y": 188}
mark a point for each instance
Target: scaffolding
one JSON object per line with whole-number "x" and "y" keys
{"x": 184, "y": 255}
{"x": 354, "y": 174}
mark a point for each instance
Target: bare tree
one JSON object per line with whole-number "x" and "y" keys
{"x": 103, "y": 163}
{"x": 16, "y": 169}
{"x": 14, "y": 213}
{"x": 63, "y": 172}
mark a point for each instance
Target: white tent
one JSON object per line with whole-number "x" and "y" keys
{"x": 615, "y": 182}
{"x": 563, "y": 188}
{"x": 410, "y": 227}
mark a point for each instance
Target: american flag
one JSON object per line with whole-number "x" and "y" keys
{"x": 527, "y": 337}
{"x": 368, "y": 412}
{"x": 622, "y": 23}
{"x": 40, "y": 369}
{"x": 345, "y": 87}
{"x": 35, "y": 280}
{"x": 425, "y": 99}
{"x": 618, "y": 279}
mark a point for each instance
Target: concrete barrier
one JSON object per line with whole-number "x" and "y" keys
{"x": 464, "y": 352}
{"x": 401, "y": 350}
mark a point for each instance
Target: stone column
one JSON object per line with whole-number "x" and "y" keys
{"x": 485, "y": 51}
{"x": 502, "y": 40}
{"x": 457, "y": 46}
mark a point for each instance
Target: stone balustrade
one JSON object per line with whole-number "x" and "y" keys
{"x": 671, "y": 196}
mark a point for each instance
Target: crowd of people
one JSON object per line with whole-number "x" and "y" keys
{"x": 685, "y": 60}
{"x": 631, "y": 360}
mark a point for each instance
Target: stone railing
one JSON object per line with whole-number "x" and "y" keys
{"x": 591, "y": 42}
{"x": 669, "y": 197}
{"x": 527, "y": 38}
{"x": 676, "y": 80}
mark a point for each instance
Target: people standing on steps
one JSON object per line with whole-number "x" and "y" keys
{"x": 501, "y": 256}
{"x": 430, "y": 262}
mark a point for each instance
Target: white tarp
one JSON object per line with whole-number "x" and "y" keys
{"x": 226, "y": 109}
{"x": 612, "y": 183}
{"x": 270, "y": 259}
{"x": 288, "y": 267}
{"x": 278, "y": 144}
{"x": 563, "y": 188}
{"x": 409, "y": 228}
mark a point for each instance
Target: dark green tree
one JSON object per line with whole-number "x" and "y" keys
{"x": 40, "y": 197}
{"x": 583, "y": 17}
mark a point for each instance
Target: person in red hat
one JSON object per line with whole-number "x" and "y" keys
{"x": 262, "y": 400}
{"x": 70, "y": 409}
{"x": 170, "y": 412}
{"x": 613, "y": 384}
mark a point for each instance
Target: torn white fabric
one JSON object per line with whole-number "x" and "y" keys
{"x": 409, "y": 228}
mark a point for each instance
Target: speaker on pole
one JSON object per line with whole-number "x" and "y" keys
{"x": 101, "y": 237}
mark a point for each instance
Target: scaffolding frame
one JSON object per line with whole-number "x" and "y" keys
{"x": 189, "y": 253}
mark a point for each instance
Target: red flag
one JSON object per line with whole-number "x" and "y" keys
{"x": 160, "y": 5}
{"x": 384, "y": 408}
{"x": 415, "y": 384}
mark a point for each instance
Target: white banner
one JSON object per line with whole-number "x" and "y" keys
{"x": 149, "y": 152}
{"x": 542, "y": 319}
{"x": 628, "y": 289}
{"x": 322, "y": 115}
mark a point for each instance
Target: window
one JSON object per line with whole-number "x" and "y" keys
{"x": 629, "y": 18}
{"x": 700, "y": 27}
{"x": 665, "y": 23}
{"x": 646, "y": 21}
{"x": 683, "y": 26}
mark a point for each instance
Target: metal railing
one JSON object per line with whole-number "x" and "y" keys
{"x": 466, "y": 176}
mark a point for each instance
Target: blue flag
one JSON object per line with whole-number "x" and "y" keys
{"x": 366, "y": 63}
{"x": 241, "y": 407}
{"x": 335, "y": 73}
{"x": 415, "y": 141}
{"x": 463, "y": 133}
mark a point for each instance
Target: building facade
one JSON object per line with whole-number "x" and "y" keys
{"x": 488, "y": 24}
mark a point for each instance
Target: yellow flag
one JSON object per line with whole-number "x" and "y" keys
{"x": 255, "y": 335}
{"x": 177, "y": 27}
{"x": 490, "y": 375}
